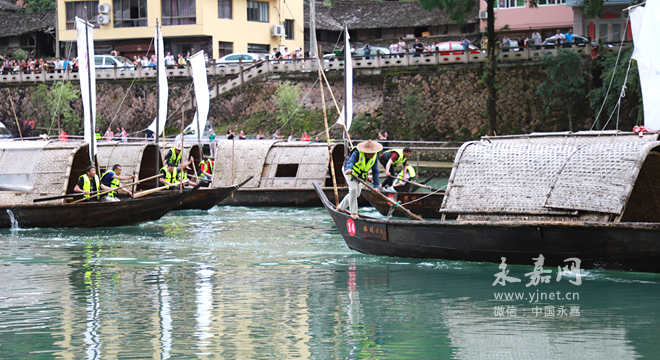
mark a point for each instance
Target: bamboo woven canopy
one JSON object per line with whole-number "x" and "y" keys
{"x": 45, "y": 168}
{"x": 594, "y": 176}
{"x": 273, "y": 164}
{"x": 134, "y": 158}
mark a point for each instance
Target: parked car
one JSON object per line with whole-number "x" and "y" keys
{"x": 455, "y": 48}
{"x": 577, "y": 40}
{"x": 109, "y": 61}
{"x": 245, "y": 58}
{"x": 374, "y": 50}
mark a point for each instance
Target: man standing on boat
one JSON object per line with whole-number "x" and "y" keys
{"x": 359, "y": 162}
{"x": 89, "y": 183}
{"x": 110, "y": 179}
{"x": 392, "y": 158}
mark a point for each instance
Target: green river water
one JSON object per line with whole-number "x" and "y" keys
{"x": 260, "y": 283}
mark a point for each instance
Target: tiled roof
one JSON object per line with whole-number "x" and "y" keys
{"x": 380, "y": 15}
{"x": 6, "y": 5}
{"x": 18, "y": 24}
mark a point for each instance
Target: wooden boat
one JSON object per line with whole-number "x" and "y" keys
{"x": 206, "y": 197}
{"x": 587, "y": 195}
{"x": 426, "y": 205}
{"x": 282, "y": 172}
{"x": 91, "y": 214}
{"x": 52, "y": 169}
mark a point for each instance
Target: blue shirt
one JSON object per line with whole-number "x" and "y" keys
{"x": 354, "y": 157}
{"x": 569, "y": 38}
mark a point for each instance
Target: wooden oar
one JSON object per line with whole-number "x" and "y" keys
{"x": 114, "y": 189}
{"x": 371, "y": 188}
{"x": 414, "y": 183}
{"x": 81, "y": 194}
{"x": 151, "y": 191}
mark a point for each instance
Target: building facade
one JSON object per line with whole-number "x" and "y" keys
{"x": 218, "y": 27}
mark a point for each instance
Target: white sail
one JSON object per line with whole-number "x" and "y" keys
{"x": 162, "y": 85}
{"x": 348, "y": 69}
{"x": 87, "y": 73}
{"x": 646, "y": 30}
{"x": 202, "y": 96}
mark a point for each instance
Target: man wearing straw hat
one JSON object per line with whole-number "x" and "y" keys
{"x": 362, "y": 159}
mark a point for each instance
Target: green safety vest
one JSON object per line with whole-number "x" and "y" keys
{"x": 98, "y": 136}
{"x": 411, "y": 172}
{"x": 170, "y": 177}
{"x": 87, "y": 185}
{"x": 174, "y": 158}
{"x": 362, "y": 166}
{"x": 114, "y": 183}
{"x": 183, "y": 175}
{"x": 401, "y": 158}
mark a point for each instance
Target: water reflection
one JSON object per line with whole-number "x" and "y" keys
{"x": 257, "y": 283}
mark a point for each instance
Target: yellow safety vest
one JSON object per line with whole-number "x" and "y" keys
{"x": 362, "y": 167}
{"x": 174, "y": 158}
{"x": 170, "y": 177}
{"x": 401, "y": 158}
{"x": 114, "y": 183}
{"x": 411, "y": 172}
{"x": 87, "y": 185}
{"x": 209, "y": 166}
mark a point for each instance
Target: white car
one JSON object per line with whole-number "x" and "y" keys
{"x": 245, "y": 58}
{"x": 109, "y": 61}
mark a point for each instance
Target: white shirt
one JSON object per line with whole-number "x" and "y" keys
{"x": 402, "y": 47}
{"x": 537, "y": 38}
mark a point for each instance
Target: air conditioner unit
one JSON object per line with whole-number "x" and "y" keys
{"x": 104, "y": 8}
{"x": 103, "y": 19}
{"x": 483, "y": 14}
{"x": 278, "y": 30}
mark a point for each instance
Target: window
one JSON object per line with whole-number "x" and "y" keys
{"x": 504, "y": 4}
{"x": 286, "y": 170}
{"x": 258, "y": 48}
{"x": 178, "y": 12}
{"x": 130, "y": 13}
{"x": 257, "y": 11}
{"x": 551, "y": 2}
{"x": 224, "y": 9}
{"x": 77, "y": 8}
{"x": 288, "y": 27}
{"x": 225, "y": 48}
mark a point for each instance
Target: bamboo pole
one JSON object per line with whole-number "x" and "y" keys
{"x": 114, "y": 189}
{"x": 327, "y": 138}
{"x": 18, "y": 126}
{"x": 394, "y": 203}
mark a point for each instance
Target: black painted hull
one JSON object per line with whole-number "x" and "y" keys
{"x": 616, "y": 246}
{"x": 206, "y": 198}
{"x": 282, "y": 197}
{"x": 91, "y": 214}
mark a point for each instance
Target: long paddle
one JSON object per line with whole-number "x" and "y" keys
{"x": 113, "y": 189}
{"x": 151, "y": 191}
{"x": 414, "y": 183}
{"x": 81, "y": 194}
{"x": 395, "y": 204}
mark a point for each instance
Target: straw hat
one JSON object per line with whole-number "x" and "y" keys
{"x": 369, "y": 147}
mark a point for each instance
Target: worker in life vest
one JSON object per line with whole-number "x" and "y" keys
{"x": 392, "y": 158}
{"x": 359, "y": 162}
{"x": 182, "y": 174}
{"x": 111, "y": 179}
{"x": 174, "y": 154}
{"x": 170, "y": 177}
{"x": 63, "y": 135}
{"x": 89, "y": 184}
{"x": 402, "y": 178}
{"x": 97, "y": 134}
{"x": 206, "y": 169}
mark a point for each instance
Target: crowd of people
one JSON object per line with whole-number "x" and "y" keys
{"x": 38, "y": 65}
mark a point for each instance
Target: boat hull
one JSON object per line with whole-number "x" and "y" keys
{"x": 282, "y": 197}
{"x": 615, "y": 246}
{"x": 91, "y": 214}
{"x": 425, "y": 205}
{"x": 205, "y": 198}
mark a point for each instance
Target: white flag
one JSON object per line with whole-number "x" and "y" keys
{"x": 162, "y": 85}
{"x": 87, "y": 74}
{"x": 202, "y": 96}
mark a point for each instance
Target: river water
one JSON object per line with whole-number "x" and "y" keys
{"x": 257, "y": 283}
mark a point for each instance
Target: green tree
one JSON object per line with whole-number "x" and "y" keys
{"x": 608, "y": 101}
{"x": 565, "y": 85}
{"x": 414, "y": 112}
{"x": 37, "y": 6}
{"x": 286, "y": 101}
{"x": 20, "y": 54}
{"x": 53, "y": 106}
